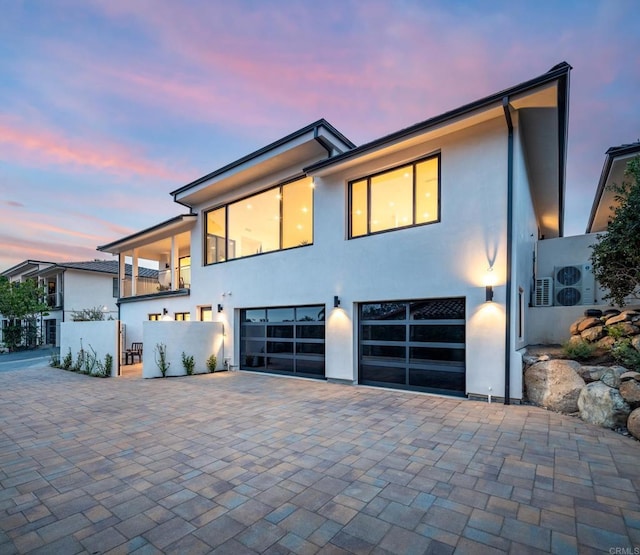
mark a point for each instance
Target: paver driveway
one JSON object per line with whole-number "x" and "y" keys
{"x": 243, "y": 463}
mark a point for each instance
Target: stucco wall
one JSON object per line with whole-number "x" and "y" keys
{"x": 88, "y": 290}
{"x": 101, "y": 336}
{"x": 445, "y": 259}
{"x": 197, "y": 339}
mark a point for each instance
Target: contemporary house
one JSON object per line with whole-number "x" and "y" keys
{"x": 406, "y": 262}
{"x": 71, "y": 287}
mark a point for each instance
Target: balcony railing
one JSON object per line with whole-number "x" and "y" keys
{"x": 145, "y": 286}
{"x": 54, "y": 300}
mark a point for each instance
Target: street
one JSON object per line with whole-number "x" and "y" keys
{"x": 26, "y": 359}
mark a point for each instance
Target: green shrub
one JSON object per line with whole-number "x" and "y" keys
{"x": 161, "y": 359}
{"x": 54, "y": 361}
{"x": 578, "y": 350}
{"x": 212, "y": 362}
{"x": 188, "y": 362}
{"x": 67, "y": 361}
{"x": 625, "y": 355}
{"x": 104, "y": 369}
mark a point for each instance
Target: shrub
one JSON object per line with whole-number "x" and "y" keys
{"x": 88, "y": 314}
{"x": 67, "y": 361}
{"x": 104, "y": 369}
{"x": 212, "y": 362}
{"x": 625, "y": 355}
{"x": 578, "y": 350}
{"x": 54, "y": 361}
{"x": 161, "y": 359}
{"x": 188, "y": 362}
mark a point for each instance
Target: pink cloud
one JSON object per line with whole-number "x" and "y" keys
{"x": 44, "y": 147}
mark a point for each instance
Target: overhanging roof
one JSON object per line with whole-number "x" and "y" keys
{"x": 542, "y": 104}
{"x": 98, "y": 266}
{"x": 163, "y": 230}
{"x": 313, "y": 142}
{"x": 24, "y": 267}
{"x": 615, "y": 165}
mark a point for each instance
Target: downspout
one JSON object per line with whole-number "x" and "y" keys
{"x": 507, "y": 345}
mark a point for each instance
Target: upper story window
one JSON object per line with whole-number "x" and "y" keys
{"x": 276, "y": 219}
{"x": 405, "y": 196}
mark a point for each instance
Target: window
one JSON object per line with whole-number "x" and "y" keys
{"x": 154, "y": 317}
{"x": 184, "y": 272}
{"x": 182, "y": 316}
{"x": 114, "y": 286}
{"x": 401, "y": 197}
{"x": 206, "y": 314}
{"x": 276, "y": 219}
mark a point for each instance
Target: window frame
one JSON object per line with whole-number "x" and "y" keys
{"x": 226, "y": 205}
{"x": 437, "y": 155}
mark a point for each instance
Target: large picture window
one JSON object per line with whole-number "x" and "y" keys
{"x": 401, "y": 197}
{"x": 276, "y": 219}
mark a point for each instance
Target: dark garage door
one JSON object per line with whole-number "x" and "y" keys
{"x": 283, "y": 340}
{"x": 416, "y": 344}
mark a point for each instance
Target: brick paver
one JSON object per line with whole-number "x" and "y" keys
{"x": 249, "y": 463}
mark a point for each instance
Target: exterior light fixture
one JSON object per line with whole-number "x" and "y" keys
{"x": 164, "y": 311}
{"x": 489, "y": 293}
{"x": 336, "y": 301}
{"x": 220, "y": 307}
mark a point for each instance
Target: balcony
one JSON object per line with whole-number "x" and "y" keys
{"x": 54, "y": 300}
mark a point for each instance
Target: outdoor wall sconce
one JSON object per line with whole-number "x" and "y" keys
{"x": 489, "y": 293}
{"x": 220, "y": 308}
{"x": 164, "y": 311}
{"x": 336, "y": 301}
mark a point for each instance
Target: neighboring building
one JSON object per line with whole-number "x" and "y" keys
{"x": 71, "y": 287}
{"x": 406, "y": 262}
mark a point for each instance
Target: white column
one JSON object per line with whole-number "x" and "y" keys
{"x": 134, "y": 273}
{"x": 121, "y": 274}
{"x": 174, "y": 264}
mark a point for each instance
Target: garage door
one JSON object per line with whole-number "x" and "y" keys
{"x": 283, "y": 340}
{"x": 416, "y": 344}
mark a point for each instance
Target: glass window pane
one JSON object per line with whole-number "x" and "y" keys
{"x": 434, "y": 379}
{"x": 280, "y": 315}
{"x": 437, "y": 334}
{"x": 391, "y": 199}
{"x": 313, "y": 367}
{"x": 254, "y": 315}
{"x": 254, "y": 224}
{"x": 383, "y": 311}
{"x": 297, "y": 213}
{"x": 427, "y": 191}
{"x": 381, "y": 352}
{"x": 252, "y": 347}
{"x": 279, "y": 347}
{"x": 359, "y": 212}
{"x": 310, "y": 348}
{"x": 216, "y": 240}
{"x": 437, "y": 309}
{"x": 280, "y": 331}
{"x": 206, "y": 314}
{"x": 310, "y": 313}
{"x": 310, "y": 332}
{"x": 277, "y": 364}
{"x": 371, "y": 373}
{"x": 384, "y": 333}
{"x": 423, "y": 354}
{"x": 253, "y": 331}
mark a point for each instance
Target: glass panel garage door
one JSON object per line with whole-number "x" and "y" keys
{"x": 283, "y": 340}
{"x": 417, "y": 344}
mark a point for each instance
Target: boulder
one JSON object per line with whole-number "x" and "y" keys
{"x": 606, "y": 343}
{"x": 633, "y": 423}
{"x": 554, "y": 384}
{"x": 611, "y": 377}
{"x": 593, "y": 334}
{"x": 625, "y": 329}
{"x": 630, "y": 392}
{"x": 591, "y": 373}
{"x": 603, "y": 405}
{"x": 625, "y": 316}
{"x": 587, "y": 323}
{"x": 630, "y": 375}
{"x": 573, "y": 328}
{"x": 635, "y": 342}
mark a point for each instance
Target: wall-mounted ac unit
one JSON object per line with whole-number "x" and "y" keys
{"x": 573, "y": 285}
{"x": 543, "y": 295}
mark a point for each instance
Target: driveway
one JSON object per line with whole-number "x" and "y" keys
{"x": 243, "y": 463}
{"x": 26, "y": 359}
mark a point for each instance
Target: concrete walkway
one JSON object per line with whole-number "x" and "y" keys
{"x": 246, "y": 463}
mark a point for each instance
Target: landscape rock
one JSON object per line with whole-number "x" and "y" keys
{"x": 573, "y": 328}
{"x": 635, "y": 342}
{"x": 630, "y": 392}
{"x": 591, "y": 373}
{"x": 554, "y": 384}
{"x": 630, "y": 375}
{"x": 603, "y": 405}
{"x": 593, "y": 334}
{"x": 625, "y": 316}
{"x": 606, "y": 343}
{"x": 611, "y": 378}
{"x": 587, "y": 323}
{"x": 633, "y": 423}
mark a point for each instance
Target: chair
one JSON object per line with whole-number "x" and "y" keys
{"x": 132, "y": 353}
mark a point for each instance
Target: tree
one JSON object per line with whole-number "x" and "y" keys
{"x": 21, "y": 303}
{"x": 616, "y": 254}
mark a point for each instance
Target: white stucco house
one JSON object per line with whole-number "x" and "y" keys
{"x": 71, "y": 287}
{"x": 406, "y": 262}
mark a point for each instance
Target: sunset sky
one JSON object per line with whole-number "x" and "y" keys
{"x": 107, "y": 106}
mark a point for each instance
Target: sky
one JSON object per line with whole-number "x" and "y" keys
{"x": 108, "y": 105}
